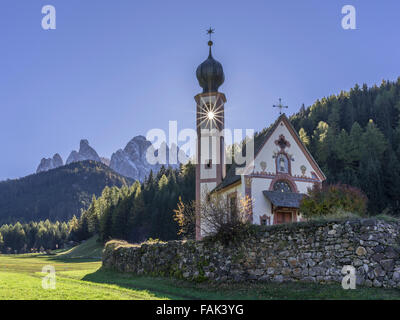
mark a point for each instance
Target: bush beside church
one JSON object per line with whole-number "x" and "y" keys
{"x": 310, "y": 252}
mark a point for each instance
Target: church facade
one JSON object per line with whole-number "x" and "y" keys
{"x": 278, "y": 177}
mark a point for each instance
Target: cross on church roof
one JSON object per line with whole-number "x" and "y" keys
{"x": 280, "y": 106}
{"x": 210, "y": 32}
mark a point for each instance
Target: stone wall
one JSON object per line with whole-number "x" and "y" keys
{"x": 312, "y": 252}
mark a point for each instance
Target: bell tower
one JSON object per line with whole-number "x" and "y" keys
{"x": 210, "y": 123}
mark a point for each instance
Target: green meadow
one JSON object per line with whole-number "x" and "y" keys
{"x": 79, "y": 277}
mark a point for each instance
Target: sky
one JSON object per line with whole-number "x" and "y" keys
{"x": 112, "y": 70}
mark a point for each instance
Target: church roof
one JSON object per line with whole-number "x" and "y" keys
{"x": 259, "y": 142}
{"x": 284, "y": 199}
{"x": 231, "y": 176}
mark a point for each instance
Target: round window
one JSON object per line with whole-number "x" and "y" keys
{"x": 282, "y": 186}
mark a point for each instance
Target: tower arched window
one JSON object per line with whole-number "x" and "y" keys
{"x": 282, "y": 186}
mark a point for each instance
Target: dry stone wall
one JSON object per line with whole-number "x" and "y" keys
{"x": 310, "y": 252}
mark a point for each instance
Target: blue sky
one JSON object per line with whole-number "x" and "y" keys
{"x": 116, "y": 69}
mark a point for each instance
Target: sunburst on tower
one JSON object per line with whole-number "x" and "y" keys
{"x": 211, "y": 114}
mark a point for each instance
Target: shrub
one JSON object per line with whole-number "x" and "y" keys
{"x": 220, "y": 222}
{"x": 333, "y": 199}
{"x": 153, "y": 241}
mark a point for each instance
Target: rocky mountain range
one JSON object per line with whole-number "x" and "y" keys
{"x": 86, "y": 152}
{"x": 130, "y": 162}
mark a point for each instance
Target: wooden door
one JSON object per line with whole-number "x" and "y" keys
{"x": 283, "y": 217}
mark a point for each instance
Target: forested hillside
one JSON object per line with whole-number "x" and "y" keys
{"x": 57, "y": 194}
{"x": 135, "y": 213}
{"x": 141, "y": 211}
{"x": 355, "y": 138}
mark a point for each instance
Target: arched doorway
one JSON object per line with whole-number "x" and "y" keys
{"x": 282, "y": 197}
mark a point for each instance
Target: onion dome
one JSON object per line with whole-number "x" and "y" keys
{"x": 210, "y": 73}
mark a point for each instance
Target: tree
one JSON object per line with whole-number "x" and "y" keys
{"x": 391, "y": 181}
{"x": 106, "y": 223}
{"x": 73, "y": 228}
{"x": 162, "y": 182}
{"x": 219, "y": 219}
{"x": 1, "y": 242}
{"x": 373, "y": 142}
{"x": 396, "y": 140}
{"x": 92, "y": 216}
{"x": 333, "y": 200}
{"x": 320, "y": 137}
{"x": 16, "y": 237}
{"x": 184, "y": 215}
{"x": 304, "y": 137}
{"x": 355, "y": 142}
{"x": 83, "y": 232}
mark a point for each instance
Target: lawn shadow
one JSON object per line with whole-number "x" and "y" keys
{"x": 128, "y": 282}
{"x": 71, "y": 260}
{"x": 52, "y": 257}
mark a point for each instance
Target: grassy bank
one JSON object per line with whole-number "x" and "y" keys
{"x": 79, "y": 278}
{"x": 90, "y": 248}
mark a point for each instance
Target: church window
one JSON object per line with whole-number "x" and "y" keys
{"x": 233, "y": 204}
{"x": 282, "y": 186}
{"x": 263, "y": 221}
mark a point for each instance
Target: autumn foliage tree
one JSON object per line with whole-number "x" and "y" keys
{"x": 333, "y": 200}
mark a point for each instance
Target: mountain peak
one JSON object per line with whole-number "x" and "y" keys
{"x": 86, "y": 152}
{"x": 50, "y": 163}
{"x": 132, "y": 160}
{"x": 83, "y": 143}
{"x": 139, "y": 137}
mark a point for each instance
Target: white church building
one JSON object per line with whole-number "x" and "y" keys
{"x": 276, "y": 180}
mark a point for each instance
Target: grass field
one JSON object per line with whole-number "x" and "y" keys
{"x": 80, "y": 278}
{"x": 88, "y": 249}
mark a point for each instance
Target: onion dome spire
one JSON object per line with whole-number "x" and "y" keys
{"x": 210, "y": 73}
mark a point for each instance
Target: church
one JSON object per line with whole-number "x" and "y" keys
{"x": 279, "y": 175}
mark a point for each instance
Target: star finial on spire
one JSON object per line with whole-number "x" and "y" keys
{"x": 210, "y": 43}
{"x": 280, "y": 106}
